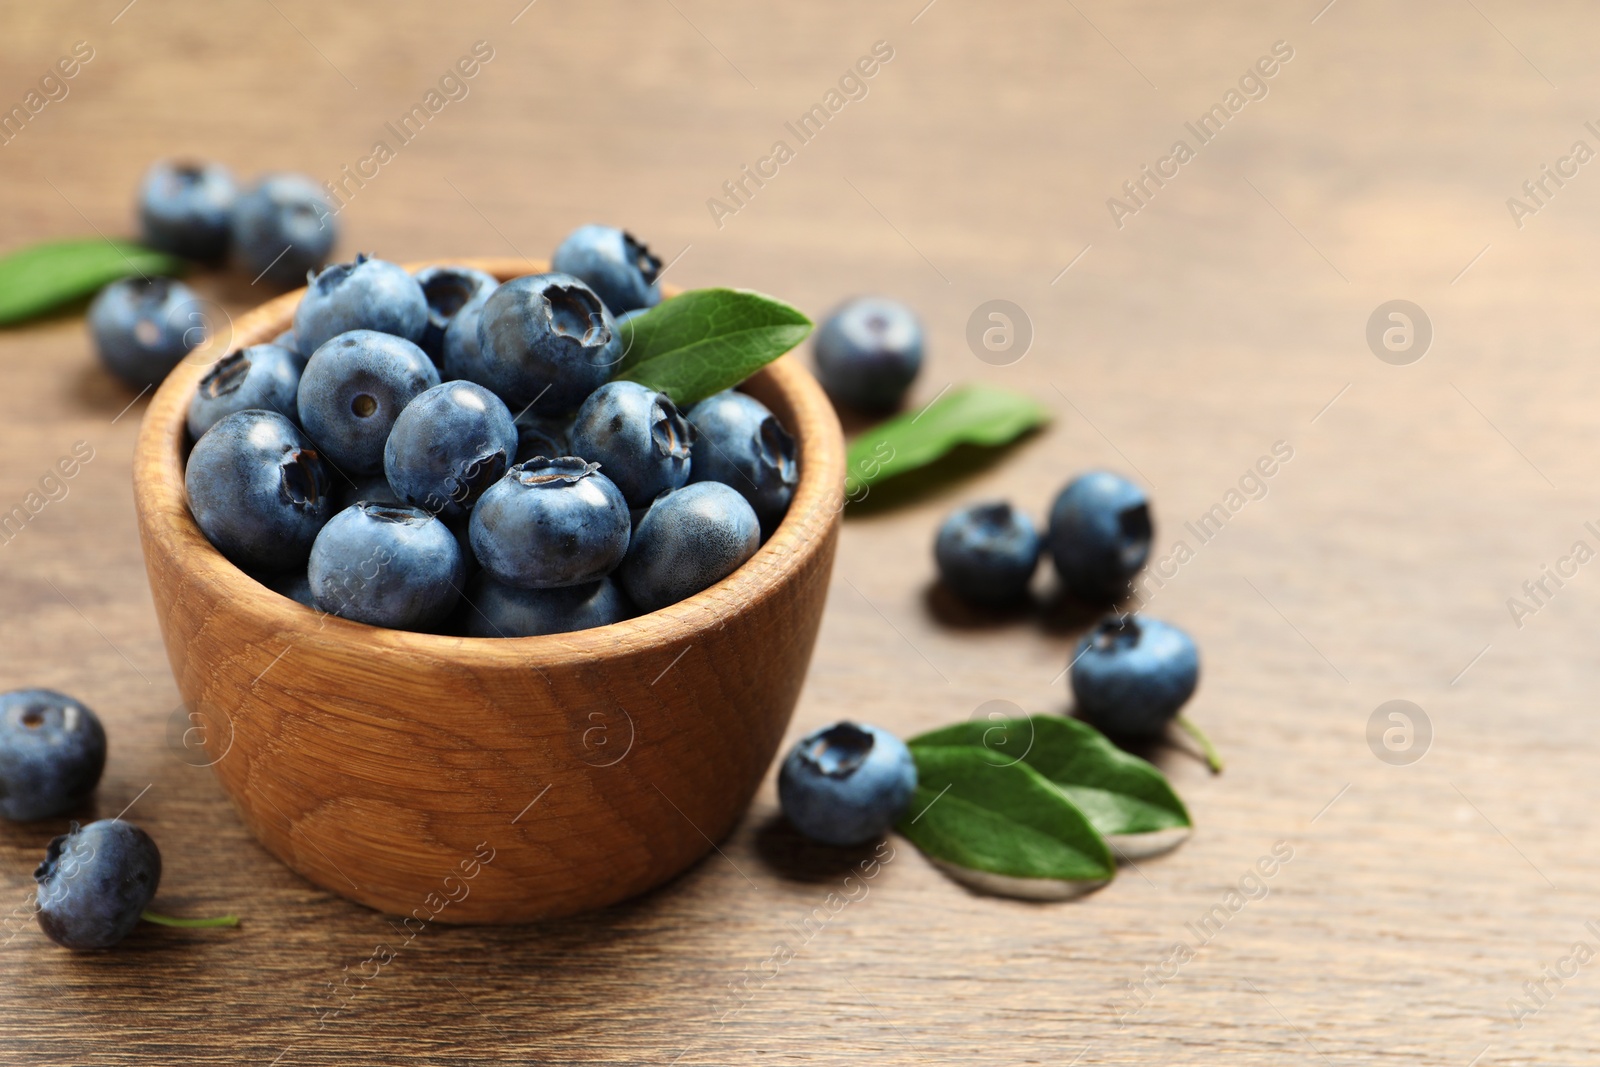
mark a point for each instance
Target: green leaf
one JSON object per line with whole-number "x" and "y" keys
{"x": 1127, "y": 799}
{"x": 707, "y": 340}
{"x": 1002, "y": 827}
{"x": 43, "y": 277}
{"x": 971, "y": 415}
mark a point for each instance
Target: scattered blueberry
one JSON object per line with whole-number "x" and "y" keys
{"x": 52, "y": 750}
{"x": 846, "y": 784}
{"x": 261, "y": 376}
{"x": 987, "y": 553}
{"x": 541, "y": 435}
{"x": 740, "y": 443}
{"x": 1100, "y": 535}
{"x": 619, "y": 268}
{"x": 143, "y": 327}
{"x": 95, "y": 883}
{"x": 282, "y": 228}
{"x": 550, "y": 522}
{"x": 448, "y": 291}
{"x": 546, "y": 338}
{"x": 690, "y": 539}
{"x": 258, "y": 490}
{"x": 637, "y": 436}
{"x": 353, "y": 389}
{"x": 499, "y": 610}
{"x": 187, "y": 209}
{"x": 449, "y": 444}
{"x": 367, "y": 294}
{"x": 1131, "y": 675}
{"x": 386, "y": 565}
{"x": 868, "y": 352}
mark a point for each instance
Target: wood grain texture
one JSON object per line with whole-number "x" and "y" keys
{"x": 1228, "y": 314}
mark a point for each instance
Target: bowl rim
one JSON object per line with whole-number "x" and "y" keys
{"x": 166, "y": 524}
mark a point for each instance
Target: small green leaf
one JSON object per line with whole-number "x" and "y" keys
{"x": 1125, "y": 798}
{"x": 42, "y": 277}
{"x": 971, "y": 415}
{"x": 1002, "y": 827}
{"x": 707, "y": 340}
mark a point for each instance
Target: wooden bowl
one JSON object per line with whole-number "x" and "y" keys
{"x": 475, "y": 780}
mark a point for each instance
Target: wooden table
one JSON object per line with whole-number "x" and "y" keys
{"x": 1227, "y": 313}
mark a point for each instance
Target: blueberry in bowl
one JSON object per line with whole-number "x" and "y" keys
{"x": 459, "y": 770}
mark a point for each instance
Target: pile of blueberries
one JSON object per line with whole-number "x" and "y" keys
{"x": 96, "y": 881}
{"x": 273, "y": 232}
{"x": 442, "y": 452}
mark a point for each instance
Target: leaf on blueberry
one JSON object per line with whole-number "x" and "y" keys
{"x": 1126, "y": 799}
{"x": 972, "y": 415}
{"x": 707, "y": 340}
{"x": 1002, "y": 827}
{"x": 43, "y": 277}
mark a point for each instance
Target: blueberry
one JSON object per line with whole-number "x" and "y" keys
{"x": 367, "y": 489}
{"x": 282, "y": 228}
{"x": 261, "y": 376}
{"x": 95, "y": 883}
{"x": 1131, "y": 675}
{"x": 499, "y": 610}
{"x": 637, "y": 436}
{"x": 740, "y": 443}
{"x": 689, "y": 540}
{"x": 386, "y": 565}
{"x": 846, "y": 784}
{"x": 448, "y": 445}
{"x": 52, "y": 750}
{"x": 460, "y": 355}
{"x": 289, "y": 343}
{"x": 295, "y": 585}
{"x": 1100, "y": 535}
{"x": 987, "y": 553}
{"x": 187, "y": 209}
{"x": 619, "y": 268}
{"x": 546, "y": 337}
{"x": 542, "y": 435}
{"x": 549, "y": 523}
{"x": 868, "y": 352}
{"x": 258, "y": 490}
{"x": 449, "y": 291}
{"x": 368, "y": 294}
{"x": 143, "y": 327}
{"x": 353, "y": 389}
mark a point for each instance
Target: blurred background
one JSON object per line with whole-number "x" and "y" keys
{"x": 1176, "y": 339}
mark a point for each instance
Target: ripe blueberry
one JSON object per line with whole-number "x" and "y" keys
{"x": 618, "y": 267}
{"x": 448, "y": 445}
{"x": 143, "y": 327}
{"x": 495, "y": 609}
{"x": 95, "y": 883}
{"x": 987, "y": 553}
{"x": 740, "y": 443}
{"x": 546, "y": 337}
{"x": 449, "y": 291}
{"x": 52, "y": 750}
{"x": 368, "y": 294}
{"x": 868, "y": 352}
{"x": 846, "y": 784}
{"x": 187, "y": 209}
{"x": 353, "y": 389}
{"x": 282, "y": 228}
{"x": 386, "y": 565}
{"x": 261, "y": 376}
{"x": 1131, "y": 675}
{"x": 1100, "y": 535}
{"x": 258, "y": 490}
{"x": 542, "y": 435}
{"x": 550, "y": 522}
{"x": 690, "y": 539}
{"x": 637, "y": 436}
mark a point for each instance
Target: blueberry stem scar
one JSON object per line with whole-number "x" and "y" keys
{"x": 1213, "y": 758}
{"x": 188, "y": 924}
